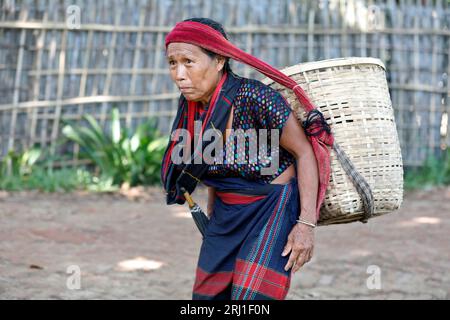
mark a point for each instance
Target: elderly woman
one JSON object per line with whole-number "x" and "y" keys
{"x": 262, "y": 210}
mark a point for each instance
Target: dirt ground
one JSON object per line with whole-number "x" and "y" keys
{"x": 87, "y": 246}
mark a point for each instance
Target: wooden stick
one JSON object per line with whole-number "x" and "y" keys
{"x": 136, "y": 58}
{"x": 16, "y": 93}
{"x": 109, "y": 70}
{"x": 59, "y": 93}
{"x": 37, "y": 81}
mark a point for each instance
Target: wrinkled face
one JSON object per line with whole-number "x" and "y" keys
{"x": 194, "y": 72}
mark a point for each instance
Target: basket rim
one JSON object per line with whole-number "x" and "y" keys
{"x": 328, "y": 63}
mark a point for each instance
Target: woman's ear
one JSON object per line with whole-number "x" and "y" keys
{"x": 220, "y": 60}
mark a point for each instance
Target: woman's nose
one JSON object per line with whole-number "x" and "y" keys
{"x": 181, "y": 73}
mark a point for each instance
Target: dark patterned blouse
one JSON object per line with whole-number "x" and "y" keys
{"x": 256, "y": 106}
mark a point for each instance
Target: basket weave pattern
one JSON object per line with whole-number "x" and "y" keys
{"x": 352, "y": 94}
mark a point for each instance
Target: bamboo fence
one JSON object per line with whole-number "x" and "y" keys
{"x": 61, "y": 59}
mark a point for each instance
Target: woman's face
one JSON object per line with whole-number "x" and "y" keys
{"x": 194, "y": 72}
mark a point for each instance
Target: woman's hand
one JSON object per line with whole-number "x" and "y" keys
{"x": 301, "y": 245}
{"x": 301, "y": 239}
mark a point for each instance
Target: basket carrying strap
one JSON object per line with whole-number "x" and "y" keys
{"x": 358, "y": 181}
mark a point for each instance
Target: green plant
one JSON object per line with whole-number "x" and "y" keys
{"x": 27, "y": 170}
{"x": 48, "y": 180}
{"x": 433, "y": 172}
{"x": 121, "y": 158}
{"x": 18, "y": 164}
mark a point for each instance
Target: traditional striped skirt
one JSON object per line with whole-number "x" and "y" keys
{"x": 240, "y": 257}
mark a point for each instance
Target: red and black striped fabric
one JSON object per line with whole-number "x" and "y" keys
{"x": 240, "y": 257}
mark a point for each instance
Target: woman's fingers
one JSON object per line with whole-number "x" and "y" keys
{"x": 311, "y": 253}
{"x": 292, "y": 259}
{"x": 301, "y": 251}
{"x": 287, "y": 247}
{"x": 300, "y": 261}
{"x": 304, "y": 257}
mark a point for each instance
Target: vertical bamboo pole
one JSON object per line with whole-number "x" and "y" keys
{"x": 434, "y": 127}
{"x": 293, "y": 56}
{"x": 447, "y": 106}
{"x": 136, "y": 58}
{"x": 59, "y": 91}
{"x": 326, "y": 23}
{"x": 363, "y": 40}
{"x": 17, "y": 79}
{"x": 404, "y": 110}
{"x": 85, "y": 68}
{"x": 157, "y": 52}
{"x": 344, "y": 25}
{"x": 37, "y": 80}
{"x": 311, "y": 35}
{"x": 49, "y": 77}
{"x": 384, "y": 37}
{"x": 82, "y": 88}
{"x": 110, "y": 66}
{"x": 418, "y": 120}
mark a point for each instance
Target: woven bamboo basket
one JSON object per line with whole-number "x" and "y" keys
{"x": 353, "y": 96}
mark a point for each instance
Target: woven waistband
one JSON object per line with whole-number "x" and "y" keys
{"x": 238, "y": 198}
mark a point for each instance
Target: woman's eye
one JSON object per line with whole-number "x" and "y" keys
{"x": 189, "y": 61}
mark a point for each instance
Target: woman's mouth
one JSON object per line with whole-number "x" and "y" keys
{"x": 185, "y": 89}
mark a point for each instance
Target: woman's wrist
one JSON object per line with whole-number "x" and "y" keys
{"x": 307, "y": 217}
{"x": 306, "y": 222}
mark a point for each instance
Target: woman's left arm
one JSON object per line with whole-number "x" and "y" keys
{"x": 301, "y": 238}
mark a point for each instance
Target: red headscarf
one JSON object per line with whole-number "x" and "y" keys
{"x": 208, "y": 38}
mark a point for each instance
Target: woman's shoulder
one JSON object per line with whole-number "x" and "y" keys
{"x": 253, "y": 88}
{"x": 261, "y": 95}
{"x": 265, "y": 104}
